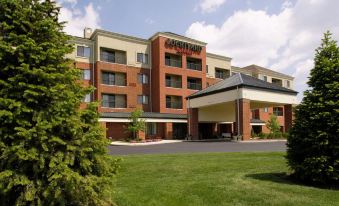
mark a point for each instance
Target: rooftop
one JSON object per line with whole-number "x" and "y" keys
{"x": 240, "y": 80}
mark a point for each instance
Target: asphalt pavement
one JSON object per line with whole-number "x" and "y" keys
{"x": 194, "y": 147}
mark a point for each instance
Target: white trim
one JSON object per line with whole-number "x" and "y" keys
{"x": 257, "y": 124}
{"x": 146, "y": 120}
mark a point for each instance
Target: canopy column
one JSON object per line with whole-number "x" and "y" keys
{"x": 242, "y": 117}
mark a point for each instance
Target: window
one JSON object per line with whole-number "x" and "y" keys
{"x": 173, "y": 81}
{"x": 113, "y": 56}
{"x": 142, "y": 58}
{"x": 288, "y": 84}
{"x": 277, "y": 81}
{"x": 151, "y": 128}
{"x": 86, "y": 74}
{"x": 278, "y": 111}
{"x": 114, "y": 100}
{"x": 87, "y": 98}
{"x": 194, "y": 64}
{"x": 110, "y": 78}
{"x": 83, "y": 51}
{"x": 221, "y": 73}
{"x": 206, "y": 68}
{"x": 174, "y": 102}
{"x": 265, "y": 109}
{"x": 142, "y": 99}
{"x": 264, "y": 78}
{"x": 173, "y": 60}
{"x": 194, "y": 83}
{"x": 143, "y": 78}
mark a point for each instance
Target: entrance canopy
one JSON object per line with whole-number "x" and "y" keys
{"x": 241, "y": 86}
{"x": 232, "y": 99}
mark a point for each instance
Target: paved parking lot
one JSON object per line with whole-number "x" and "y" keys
{"x": 189, "y": 147}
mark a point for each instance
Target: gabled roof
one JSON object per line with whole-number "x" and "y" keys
{"x": 240, "y": 80}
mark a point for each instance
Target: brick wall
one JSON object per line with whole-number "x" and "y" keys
{"x": 159, "y": 71}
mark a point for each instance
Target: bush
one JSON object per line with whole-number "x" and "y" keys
{"x": 313, "y": 143}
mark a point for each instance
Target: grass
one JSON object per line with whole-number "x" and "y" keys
{"x": 213, "y": 179}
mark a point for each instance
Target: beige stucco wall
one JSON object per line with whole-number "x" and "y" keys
{"x": 218, "y": 113}
{"x": 216, "y": 62}
{"x": 263, "y": 98}
{"x": 132, "y": 47}
{"x": 268, "y": 96}
{"x": 79, "y": 42}
{"x": 213, "y": 99}
{"x": 269, "y": 79}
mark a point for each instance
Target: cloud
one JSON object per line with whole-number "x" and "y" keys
{"x": 208, "y": 6}
{"x": 283, "y": 42}
{"x": 77, "y": 19}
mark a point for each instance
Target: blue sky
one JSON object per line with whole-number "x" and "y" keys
{"x": 278, "y": 34}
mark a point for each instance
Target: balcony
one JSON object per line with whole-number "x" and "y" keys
{"x": 222, "y": 73}
{"x": 277, "y": 81}
{"x": 173, "y": 83}
{"x": 112, "y": 56}
{"x": 194, "y": 64}
{"x": 173, "y": 60}
{"x": 173, "y": 63}
{"x": 194, "y": 85}
{"x": 173, "y": 102}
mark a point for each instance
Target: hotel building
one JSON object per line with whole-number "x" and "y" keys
{"x": 182, "y": 89}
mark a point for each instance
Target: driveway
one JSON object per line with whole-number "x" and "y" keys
{"x": 191, "y": 147}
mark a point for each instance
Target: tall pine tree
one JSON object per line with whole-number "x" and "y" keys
{"x": 313, "y": 144}
{"x": 51, "y": 153}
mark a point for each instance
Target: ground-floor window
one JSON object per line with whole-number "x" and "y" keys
{"x": 151, "y": 128}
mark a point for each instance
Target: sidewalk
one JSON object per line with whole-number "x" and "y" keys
{"x": 122, "y": 143}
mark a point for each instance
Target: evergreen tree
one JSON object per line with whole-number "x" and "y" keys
{"x": 51, "y": 152}
{"x": 313, "y": 143}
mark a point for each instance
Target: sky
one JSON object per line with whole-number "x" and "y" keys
{"x": 281, "y": 35}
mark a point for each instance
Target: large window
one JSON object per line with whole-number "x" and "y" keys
{"x": 173, "y": 81}
{"x": 151, "y": 128}
{"x": 86, "y": 74}
{"x": 112, "y": 56}
{"x": 83, "y": 51}
{"x": 222, "y": 73}
{"x": 194, "y": 64}
{"x": 143, "y": 78}
{"x": 278, "y": 111}
{"x": 277, "y": 81}
{"x": 142, "y": 99}
{"x": 114, "y": 100}
{"x": 173, "y": 102}
{"x": 173, "y": 60}
{"x": 111, "y": 78}
{"x": 142, "y": 58}
{"x": 194, "y": 83}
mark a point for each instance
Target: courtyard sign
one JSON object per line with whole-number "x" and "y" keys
{"x": 183, "y": 47}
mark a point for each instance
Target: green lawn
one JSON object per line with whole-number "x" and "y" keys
{"x": 213, "y": 179}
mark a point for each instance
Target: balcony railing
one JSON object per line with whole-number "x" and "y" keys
{"x": 107, "y": 57}
{"x": 173, "y": 63}
{"x": 194, "y": 85}
{"x": 193, "y": 66}
{"x": 173, "y": 83}
{"x": 174, "y": 105}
